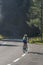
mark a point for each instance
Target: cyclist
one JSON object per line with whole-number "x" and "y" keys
{"x": 25, "y": 40}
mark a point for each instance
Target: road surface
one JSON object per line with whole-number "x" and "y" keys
{"x": 11, "y": 53}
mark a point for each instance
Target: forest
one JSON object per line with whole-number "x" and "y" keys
{"x": 19, "y": 17}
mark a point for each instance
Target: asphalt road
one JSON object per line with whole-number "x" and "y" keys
{"x": 11, "y": 53}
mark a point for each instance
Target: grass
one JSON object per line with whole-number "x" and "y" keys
{"x": 1, "y": 37}
{"x": 36, "y": 40}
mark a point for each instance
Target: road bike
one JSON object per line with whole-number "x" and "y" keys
{"x": 25, "y": 48}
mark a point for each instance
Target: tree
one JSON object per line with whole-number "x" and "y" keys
{"x": 36, "y": 12}
{"x": 14, "y": 16}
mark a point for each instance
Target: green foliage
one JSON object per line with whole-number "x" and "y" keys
{"x": 36, "y": 22}
{"x": 36, "y": 40}
{"x": 16, "y": 14}
{"x": 1, "y": 37}
{"x": 35, "y": 13}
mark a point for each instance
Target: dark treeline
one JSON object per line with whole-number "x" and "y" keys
{"x": 14, "y": 19}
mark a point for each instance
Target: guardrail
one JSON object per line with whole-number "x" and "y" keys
{"x": 16, "y": 40}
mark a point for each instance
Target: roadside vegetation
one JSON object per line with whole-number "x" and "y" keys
{"x": 2, "y": 37}
{"x": 36, "y": 18}
{"x": 36, "y": 40}
{"x": 13, "y": 25}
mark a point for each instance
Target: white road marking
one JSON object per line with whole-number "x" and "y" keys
{"x": 23, "y": 55}
{"x": 8, "y": 64}
{"x": 28, "y": 49}
{"x": 20, "y": 57}
{"x": 16, "y": 60}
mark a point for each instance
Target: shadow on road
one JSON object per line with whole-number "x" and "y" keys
{"x": 35, "y": 53}
{"x": 9, "y": 45}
